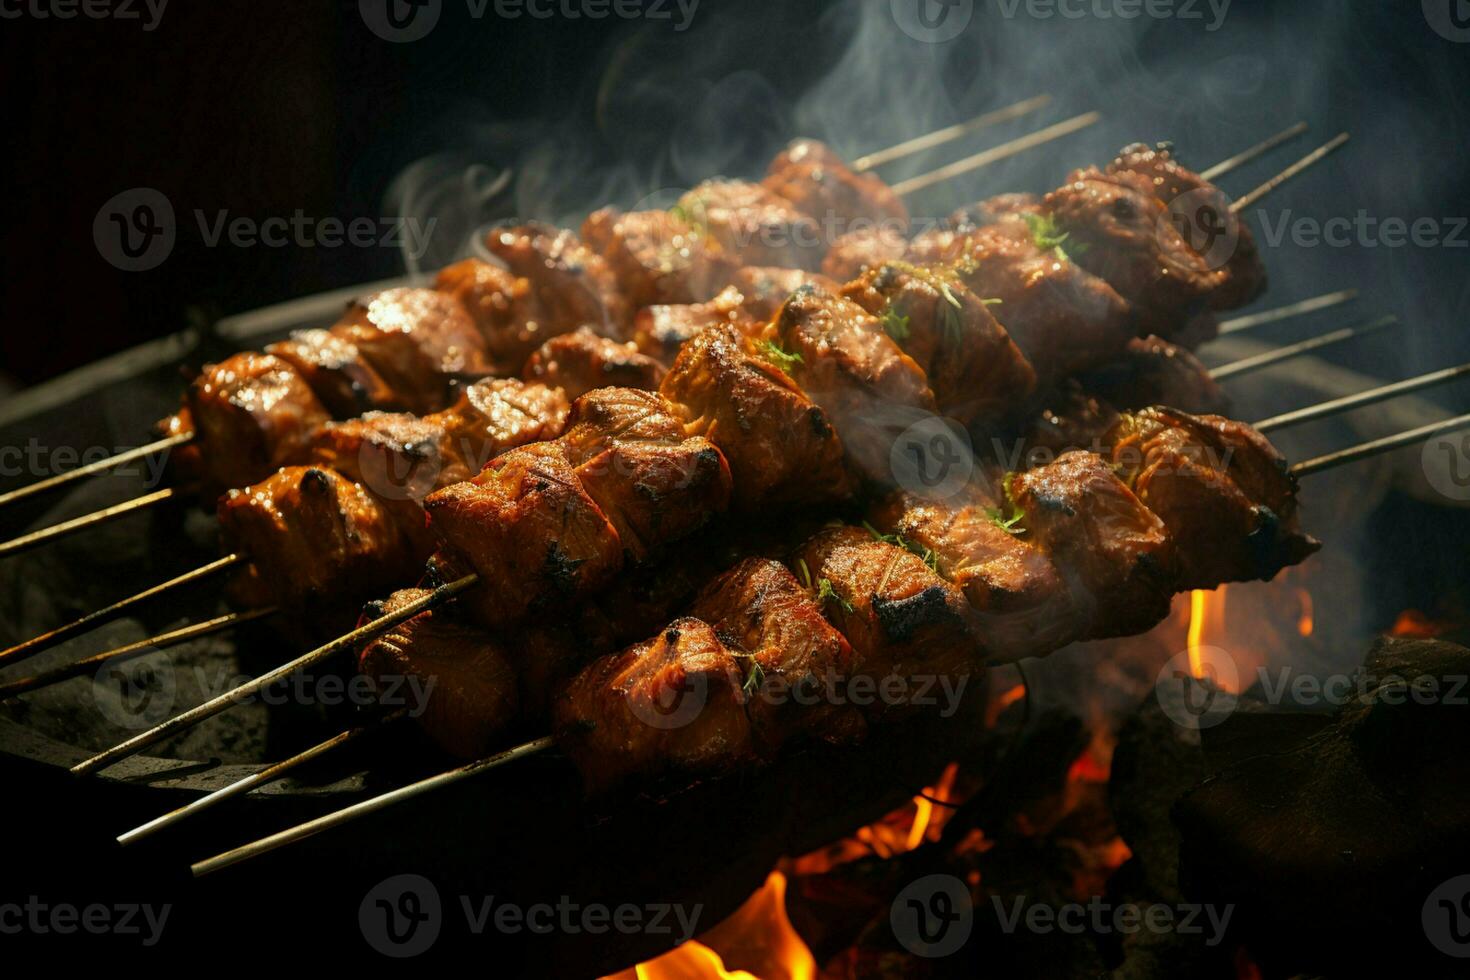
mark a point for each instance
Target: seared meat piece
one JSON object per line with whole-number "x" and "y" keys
{"x": 502, "y": 308}
{"x": 858, "y": 374}
{"x": 781, "y": 448}
{"x": 315, "y": 541}
{"x": 403, "y": 456}
{"x": 764, "y": 290}
{"x": 1115, "y": 553}
{"x": 790, "y": 652}
{"x": 415, "y": 339}
{"x": 1021, "y": 599}
{"x": 1062, "y": 317}
{"x": 817, "y": 181}
{"x": 1119, "y": 231}
{"x": 1208, "y": 210}
{"x": 469, "y": 681}
{"x": 579, "y": 361}
{"x": 659, "y": 331}
{"x": 856, "y": 251}
{"x": 672, "y": 705}
{"x": 555, "y": 520}
{"x": 1152, "y": 371}
{"x": 658, "y": 257}
{"x": 991, "y": 210}
{"x": 571, "y": 285}
{"x": 753, "y": 224}
{"x": 901, "y": 618}
{"x": 336, "y": 371}
{"x": 530, "y": 530}
{"x": 1073, "y": 419}
{"x": 975, "y": 369}
{"x": 255, "y": 412}
{"x": 1224, "y": 492}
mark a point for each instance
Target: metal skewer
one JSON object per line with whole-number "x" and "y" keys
{"x": 1296, "y": 168}
{"x": 36, "y": 644}
{"x": 1370, "y": 397}
{"x": 233, "y": 696}
{"x": 268, "y": 774}
{"x": 381, "y": 802}
{"x": 941, "y": 136}
{"x": 1246, "y": 156}
{"x": 102, "y": 465}
{"x": 93, "y": 519}
{"x": 995, "y": 154}
{"x": 1257, "y": 362}
{"x": 1365, "y": 450}
{"x": 1300, "y": 308}
{"x": 131, "y": 650}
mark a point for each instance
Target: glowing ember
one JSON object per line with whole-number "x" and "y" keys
{"x": 1413, "y": 624}
{"x": 1197, "y": 600}
{"x": 1304, "y": 621}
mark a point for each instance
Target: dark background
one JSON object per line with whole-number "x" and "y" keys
{"x": 263, "y": 108}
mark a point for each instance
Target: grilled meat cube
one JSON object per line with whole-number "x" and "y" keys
{"x": 657, "y": 256}
{"x": 1062, "y": 317}
{"x": 1115, "y": 553}
{"x": 528, "y": 528}
{"x": 902, "y": 620}
{"x": 315, "y": 540}
{"x": 753, "y": 224}
{"x": 859, "y": 375}
{"x": 659, "y": 331}
{"x": 780, "y": 446}
{"x": 772, "y": 622}
{"x": 416, "y": 339}
{"x": 673, "y": 705}
{"x": 336, "y": 371}
{"x": 654, "y": 483}
{"x": 1224, "y": 492}
{"x": 1153, "y": 371}
{"x": 571, "y": 284}
{"x": 1209, "y": 211}
{"x": 502, "y": 308}
{"x": 975, "y": 369}
{"x": 991, "y": 210}
{"x": 1073, "y": 419}
{"x": 471, "y": 691}
{"x": 401, "y": 456}
{"x": 856, "y": 251}
{"x": 817, "y": 181}
{"x": 579, "y": 361}
{"x": 254, "y": 413}
{"x": 1120, "y": 232}
{"x": 764, "y": 290}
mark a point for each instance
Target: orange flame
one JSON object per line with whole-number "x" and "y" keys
{"x": 1197, "y": 600}
{"x": 1304, "y": 621}
{"x": 758, "y": 935}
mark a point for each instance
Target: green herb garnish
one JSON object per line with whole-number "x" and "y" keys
{"x": 772, "y": 352}
{"x": 927, "y": 554}
{"x": 895, "y": 324}
{"x": 754, "y": 680}
{"x": 1047, "y": 235}
{"x": 825, "y": 594}
{"x": 1006, "y": 524}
